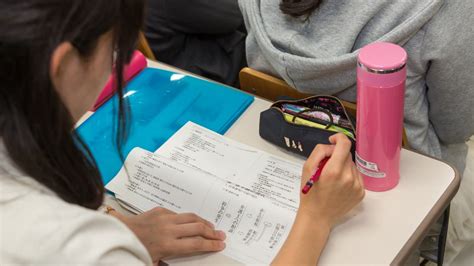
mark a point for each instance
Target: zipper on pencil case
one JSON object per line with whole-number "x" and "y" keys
{"x": 333, "y": 128}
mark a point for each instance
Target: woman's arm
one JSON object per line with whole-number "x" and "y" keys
{"x": 338, "y": 190}
{"x": 305, "y": 242}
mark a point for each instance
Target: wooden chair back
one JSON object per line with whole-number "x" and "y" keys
{"x": 144, "y": 47}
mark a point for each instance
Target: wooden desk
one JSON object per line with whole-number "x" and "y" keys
{"x": 385, "y": 228}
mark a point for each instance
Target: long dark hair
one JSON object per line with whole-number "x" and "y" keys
{"x": 298, "y": 8}
{"x": 35, "y": 126}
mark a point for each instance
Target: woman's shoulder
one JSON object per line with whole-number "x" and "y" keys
{"x": 37, "y": 226}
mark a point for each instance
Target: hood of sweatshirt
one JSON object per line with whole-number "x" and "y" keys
{"x": 320, "y": 52}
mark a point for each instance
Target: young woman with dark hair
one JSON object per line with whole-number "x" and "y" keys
{"x": 55, "y": 56}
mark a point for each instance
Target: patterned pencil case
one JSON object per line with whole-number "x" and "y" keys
{"x": 300, "y": 125}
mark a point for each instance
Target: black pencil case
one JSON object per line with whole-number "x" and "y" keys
{"x": 296, "y": 131}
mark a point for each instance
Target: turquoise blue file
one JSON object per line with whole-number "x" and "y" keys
{"x": 161, "y": 103}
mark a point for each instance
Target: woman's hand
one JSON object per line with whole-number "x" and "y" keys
{"x": 167, "y": 234}
{"x": 338, "y": 190}
{"x": 340, "y": 186}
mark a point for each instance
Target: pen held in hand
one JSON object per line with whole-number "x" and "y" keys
{"x": 314, "y": 178}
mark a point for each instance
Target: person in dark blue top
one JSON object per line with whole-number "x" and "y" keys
{"x": 201, "y": 36}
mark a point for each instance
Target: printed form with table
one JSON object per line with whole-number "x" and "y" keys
{"x": 251, "y": 195}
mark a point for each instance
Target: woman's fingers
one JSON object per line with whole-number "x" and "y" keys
{"x": 341, "y": 151}
{"x": 186, "y": 218}
{"x": 198, "y": 229}
{"x": 320, "y": 152}
{"x": 360, "y": 181}
{"x": 196, "y": 244}
{"x": 358, "y": 187}
{"x": 348, "y": 173}
{"x": 160, "y": 211}
{"x": 355, "y": 176}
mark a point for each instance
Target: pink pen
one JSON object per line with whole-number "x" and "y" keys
{"x": 315, "y": 177}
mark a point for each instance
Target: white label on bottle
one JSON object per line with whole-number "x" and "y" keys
{"x": 366, "y": 164}
{"x": 366, "y": 172}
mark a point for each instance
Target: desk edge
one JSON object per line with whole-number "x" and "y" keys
{"x": 415, "y": 240}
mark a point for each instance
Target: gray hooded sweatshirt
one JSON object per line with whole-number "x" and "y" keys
{"x": 318, "y": 55}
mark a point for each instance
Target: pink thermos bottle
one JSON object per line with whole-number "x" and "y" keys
{"x": 381, "y": 75}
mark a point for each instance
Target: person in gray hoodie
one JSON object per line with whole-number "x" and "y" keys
{"x": 313, "y": 45}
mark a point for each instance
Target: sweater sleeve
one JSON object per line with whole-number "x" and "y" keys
{"x": 448, "y": 50}
{"x": 98, "y": 239}
{"x": 44, "y": 230}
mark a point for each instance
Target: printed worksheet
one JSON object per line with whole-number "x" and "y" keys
{"x": 244, "y": 168}
{"x": 249, "y": 194}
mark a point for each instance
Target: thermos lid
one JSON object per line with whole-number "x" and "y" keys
{"x": 382, "y": 58}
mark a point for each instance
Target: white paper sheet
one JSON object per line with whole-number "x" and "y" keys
{"x": 255, "y": 172}
{"x": 249, "y": 194}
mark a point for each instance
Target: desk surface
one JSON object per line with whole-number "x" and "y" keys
{"x": 386, "y": 227}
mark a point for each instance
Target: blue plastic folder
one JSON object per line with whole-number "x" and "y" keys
{"x": 161, "y": 102}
